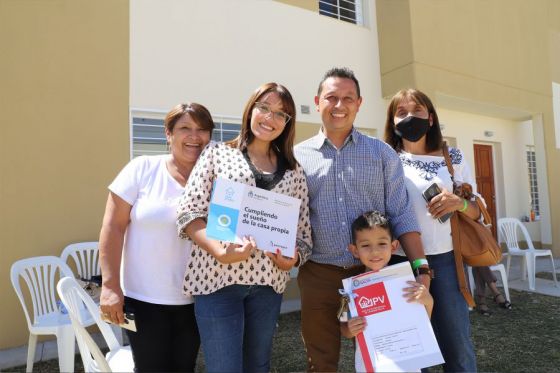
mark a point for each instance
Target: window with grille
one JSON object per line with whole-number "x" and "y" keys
{"x": 533, "y": 185}
{"x": 344, "y": 10}
{"x": 148, "y": 133}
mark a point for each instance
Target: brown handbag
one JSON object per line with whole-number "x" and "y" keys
{"x": 473, "y": 242}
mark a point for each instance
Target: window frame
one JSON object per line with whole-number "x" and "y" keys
{"x": 531, "y": 159}
{"x": 339, "y": 8}
{"x": 159, "y": 115}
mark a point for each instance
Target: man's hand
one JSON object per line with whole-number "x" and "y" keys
{"x": 424, "y": 280}
{"x": 416, "y": 292}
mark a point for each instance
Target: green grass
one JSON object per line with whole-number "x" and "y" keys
{"x": 526, "y": 338}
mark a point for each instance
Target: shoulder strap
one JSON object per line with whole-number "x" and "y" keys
{"x": 483, "y": 211}
{"x": 456, "y": 238}
{"x": 448, "y": 161}
{"x": 487, "y": 220}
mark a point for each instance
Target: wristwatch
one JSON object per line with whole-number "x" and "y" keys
{"x": 424, "y": 271}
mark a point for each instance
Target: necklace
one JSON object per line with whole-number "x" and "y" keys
{"x": 263, "y": 169}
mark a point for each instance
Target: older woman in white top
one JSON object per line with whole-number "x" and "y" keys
{"x": 139, "y": 236}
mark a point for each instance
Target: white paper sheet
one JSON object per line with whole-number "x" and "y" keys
{"x": 238, "y": 210}
{"x": 399, "y": 336}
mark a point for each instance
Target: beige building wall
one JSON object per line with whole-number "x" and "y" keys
{"x": 312, "y": 5}
{"x": 64, "y": 131}
{"x": 246, "y": 44}
{"x": 492, "y": 58}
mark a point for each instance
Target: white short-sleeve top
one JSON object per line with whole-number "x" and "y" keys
{"x": 154, "y": 258}
{"x": 420, "y": 172}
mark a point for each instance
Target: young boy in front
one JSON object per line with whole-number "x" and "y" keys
{"x": 373, "y": 244}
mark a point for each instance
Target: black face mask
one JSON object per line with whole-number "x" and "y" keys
{"x": 412, "y": 128}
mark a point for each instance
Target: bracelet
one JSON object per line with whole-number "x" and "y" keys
{"x": 465, "y": 206}
{"x": 419, "y": 262}
{"x": 424, "y": 271}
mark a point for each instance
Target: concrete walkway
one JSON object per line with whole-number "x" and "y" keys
{"x": 542, "y": 286}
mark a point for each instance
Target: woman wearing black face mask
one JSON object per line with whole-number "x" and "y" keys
{"x": 412, "y": 129}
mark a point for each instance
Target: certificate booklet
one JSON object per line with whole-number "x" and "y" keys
{"x": 238, "y": 210}
{"x": 399, "y": 335}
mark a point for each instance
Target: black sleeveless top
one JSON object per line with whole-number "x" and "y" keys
{"x": 264, "y": 180}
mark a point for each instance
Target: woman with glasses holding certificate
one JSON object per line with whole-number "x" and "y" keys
{"x": 238, "y": 288}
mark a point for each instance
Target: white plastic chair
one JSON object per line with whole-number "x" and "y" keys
{"x": 495, "y": 268}
{"x": 119, "y": 358}
{"x": 85, "y": 256}
{"x": 508, "y": 229}
{"x": 40, "y": 273}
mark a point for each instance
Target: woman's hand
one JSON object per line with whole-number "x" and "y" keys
{"x": 236, "y": 253}
{"x": 444, "y": 203}
{"x": 111, "y": 238}
{"x": 282, "y": 262}
{"x": 356, "y": 325}
{"x": 111, "y": 303}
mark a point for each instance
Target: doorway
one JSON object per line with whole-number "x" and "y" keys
{"x": 484, "y": 171}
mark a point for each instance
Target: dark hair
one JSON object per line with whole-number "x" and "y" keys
{"x": 283, "y": 145}
{"x": 339, "y": 72}
{"x": 434, "y": 138}
{"x": 197, "y": 112}
{"x": 369, "y": 220}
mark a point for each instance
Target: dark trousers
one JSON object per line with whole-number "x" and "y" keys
{"x": 482, "y": 276}
{"x": 167, "y": 339}
{"x": 320, "y": 300}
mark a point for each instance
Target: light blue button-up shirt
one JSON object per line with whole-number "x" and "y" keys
{"x": 365, "y": 174}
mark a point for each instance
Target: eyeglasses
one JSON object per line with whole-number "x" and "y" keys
{"x": 278, "y": 116}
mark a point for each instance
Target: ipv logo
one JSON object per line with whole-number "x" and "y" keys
{"x": 370, "y": 302}
{"x": 372, "y": 299}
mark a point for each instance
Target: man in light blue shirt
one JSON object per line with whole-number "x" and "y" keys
{"x": 348, "y": 174}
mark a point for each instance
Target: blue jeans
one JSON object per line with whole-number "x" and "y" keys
{"x": 236, "y": 325}
{"x": 450, "y": 317}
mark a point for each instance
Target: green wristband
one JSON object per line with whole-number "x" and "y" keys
{"x": 418, "y": 262}
{"x": 465, "y": 206}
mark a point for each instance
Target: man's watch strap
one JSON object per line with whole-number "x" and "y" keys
{"x": 424, "y": 271}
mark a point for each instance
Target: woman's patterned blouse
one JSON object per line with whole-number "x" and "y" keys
{"x": 204, "y": 273}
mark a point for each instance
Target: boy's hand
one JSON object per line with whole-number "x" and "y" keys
{"x": 356, "y": 325}
{"x": 417, "y": 292}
